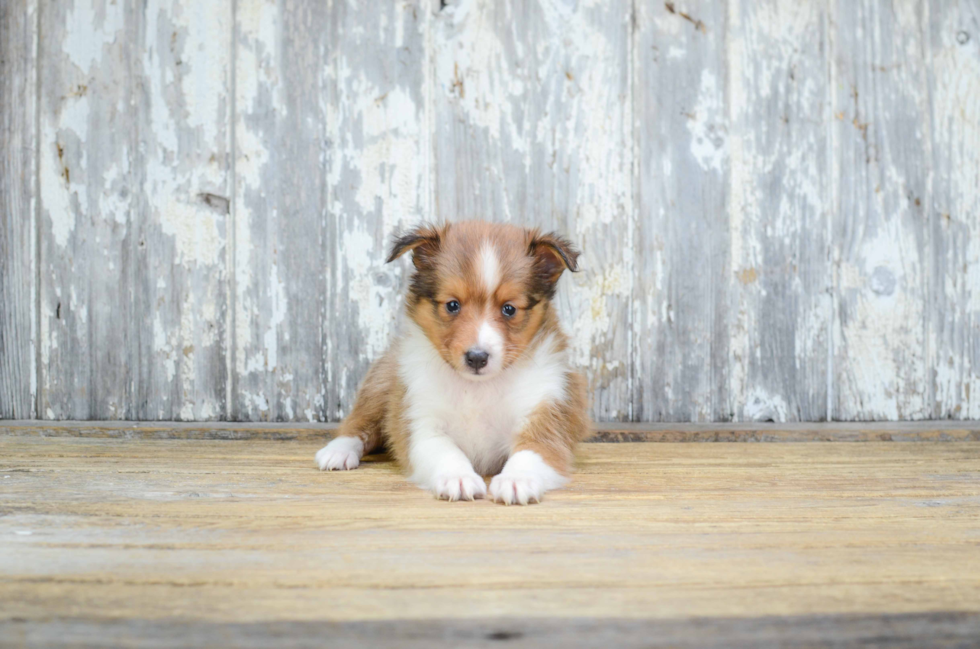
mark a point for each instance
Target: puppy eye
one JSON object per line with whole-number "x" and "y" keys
{"x": 452, "y": 306}
{"x": 509, "y": 310}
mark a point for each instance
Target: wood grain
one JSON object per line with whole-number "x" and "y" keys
{"x": 90, "y": 204}
{"x": 918, "y": 431}
{"x": 779, "y": 215}
{"x": 181, "y": 280}
{"x": 214, "y": 533}
{"x": 134, "y": 196}
{"x": 953, "y": 54}
{"x": 683, "y": 243}
{"x": 882, "y": 245}
{"x": 18, "y": 225}
{"x": 281, "y": 251}
{"x": 911, "y": 631}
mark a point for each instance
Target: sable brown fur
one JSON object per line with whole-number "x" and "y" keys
{"x": 446, "y": 261}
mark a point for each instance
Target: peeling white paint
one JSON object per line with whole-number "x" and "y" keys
{"x": 61, "y": 195}
{"x": 278, "y": 305}
{"x": 375, "y": 309}
{"x": 471, "y": 68}
{"x": 208, "y": 42}
{"x": 708, "y": 125}
{"x": 195, "y": 229}
{"x": 590, "y": 319}
{"x": 546, "y": 129}
{"x": 89, "y": 29}
{"x": 163, "y": 345}
{"x": 388, "y": 158}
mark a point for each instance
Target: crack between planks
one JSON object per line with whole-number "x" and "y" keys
{"x": 36, "y": 225}
{"x": 932, "y": 297}
{"x": 232, "y": 226}
{"x": 830, "y": 215}
{"x": 632, "y": 213}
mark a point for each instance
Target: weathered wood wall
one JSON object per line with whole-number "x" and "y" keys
{"x": 778, "y": 200}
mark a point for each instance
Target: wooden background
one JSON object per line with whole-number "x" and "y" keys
{"x": 778, "y": 200}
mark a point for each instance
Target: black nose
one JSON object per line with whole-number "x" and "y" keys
{"x": 477, "y": 358}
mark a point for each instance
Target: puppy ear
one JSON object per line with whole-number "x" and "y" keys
{"x": 423, "y": 241}
{"x": 552, "y": 254}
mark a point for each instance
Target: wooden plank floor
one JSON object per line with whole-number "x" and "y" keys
{"x": 864, "y": 431}
{"x": 157, "y": 542}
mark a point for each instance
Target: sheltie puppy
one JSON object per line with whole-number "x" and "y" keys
{"x": 478, "y": 383}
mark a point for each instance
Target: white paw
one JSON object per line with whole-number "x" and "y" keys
{"x": 460, "y": 486}
{"x": 516, "y": 489}
{"x": 340, "y": 453}
{"x": 525, "y": 479}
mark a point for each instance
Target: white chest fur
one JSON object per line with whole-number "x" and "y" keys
{"x": 481, "y": 417}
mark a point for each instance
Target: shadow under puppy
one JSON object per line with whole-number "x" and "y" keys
{"x": 478, "y": 383}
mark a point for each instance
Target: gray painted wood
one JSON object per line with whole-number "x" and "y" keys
{"x": 18, "y": 91}
{"x": 953, "y": 51}
{"x": 608, "y": 432}
{"x": 185, "y": 140}
{"x": 779, "y": 212}
{"x": 135, "y": 181}
{"x": 683, "y": 241}
{"x": 942, "y": 629}
{"x": 90, "y": 169}
{"x": 180, "y": 283}
{"x": 282, "y": 233}
{"x": 532, "y": 125}
{"x": 882, "y": 190}
{"x": 778, "y": 201}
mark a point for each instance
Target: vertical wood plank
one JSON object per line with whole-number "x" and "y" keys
{"x": 480, "y": 89}
{"x": 379, "y": 179}
{"x": 180, "y": 282}
{"x": 882, "y": 242}
{"x": 683, "y": 241}
{"x": 90, "y": 199}
{"x": 134, "y": 174}
{"x": 778, "y": 212}
{"x": 953, "y": 55}
{"x": 532, "y": 125}
{"x": 18, "y": 132}
{"x": 282, "y": 245}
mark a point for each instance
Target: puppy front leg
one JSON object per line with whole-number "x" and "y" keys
{"x": 441, "y": 467}
{"x": 525, "y": 478}
{"x": 539, "y": 462}
{"x": 360, "y": 432}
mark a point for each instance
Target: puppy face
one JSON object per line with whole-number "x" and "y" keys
{"x": 482, "y": 291}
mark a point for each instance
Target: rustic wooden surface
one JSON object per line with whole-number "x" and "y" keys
{"x": 917, "y": 431}
{"x": 281, "y": 242}
{"x": 18, "y": 201}
{"x": 134, "y": 179}
{"x": 781, "y": 275}
{"x": 884, "y": 250}
{"x": 953, "y": 41}
{"x": 104, "y": 539}
{"x": 911, "y": 631}
{"x": 778, "y": 201}
{"x": 89, "y": 159}
{"x": 181, "y": 280}
{"x": 683, "y": 269}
